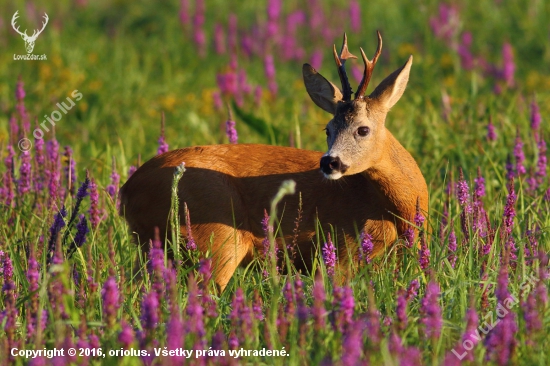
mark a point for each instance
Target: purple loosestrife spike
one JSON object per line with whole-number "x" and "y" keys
{"x": 131, "y": 170}
{"x": 409, "y": 237}
{"x": 149, "y": 313}
{"x": 452, "y": 248}
{"x": 531, "y": 314}
{"x": 184, "y": 12}
{"x": 112, "y": 189}
{"x": 230, "y": 129}
{"x": 195, "y": 311}
{"x": 10, "y": 313}
{"x": 163, "y": 146}
{"x": 14, "y": 130}
{"x": 424, "y": 255}
{"x": 316, "y": 59}
{"x": 519, "y": 155}
{"x": 445, "y": 24}
{"x": 19, "y": 90}
{"x": 463, "y": 193}
{"x": 269, "y": 66}
{"x": 535, "y": 116}
{"x": 40, "y": 162}
{"x": 355, "y": 16}
{"x": 175, "y": 337}
{"x": 401, "y": 310}
{"x": 468, "y": 341}
{"x": 431, "y": 311}
{"x": 367, "y": 247}
{"x": 509, "y": 168}
{"x": 33, "y": 276}
{"x": 24, "y": 182}
{"x": 353, "y": 344}
{"x": 81, "y": 231}
{"x": 319, "y": 311}
{"x": 80, "y": 195}
{"x": 302, "y": 311}
{"x": 111, "y": 301}
{"x": 467, "y": 60}
{"x": 491, "y": 131}
{"x": 241, "y": 317}
{"x": 219, "y": 39}
{"x": 329, "y": 256}
{"x": 56, "y": 227}
{"x": 508, "y": 65}
{"x": 126, "y": 337}
{"x": 190, "y": 245}
{"x": 412, "y": 291}
{"x": 8, "y": 161}
{"x": 542, "y": 161}
{"x": 500, "y": 343}
{"x": 508, "y": 219}
{"x": 94, "y": 205}
{"x": 479, "y": 185}
{"x": 198, "y": 22}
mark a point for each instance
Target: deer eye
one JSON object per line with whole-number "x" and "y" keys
{"x": 363, "y": 131}
{"x": 327, "y": 132}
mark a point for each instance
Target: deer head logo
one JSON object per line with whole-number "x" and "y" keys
{"x": 29, "y": 41}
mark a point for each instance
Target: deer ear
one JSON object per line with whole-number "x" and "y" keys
{"x": 390, "y": 90}
{"x": 324, "y": 93}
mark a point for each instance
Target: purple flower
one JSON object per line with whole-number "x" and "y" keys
{"x": 463, "y": 193}
{"x": 219, "y": 39}
{"x": 241, "y": 317}
{"x": 352, "y": 345}
{"x": 535, "y": 116}
{"x": 531, "y": 314}
{"x": 445, "y": 24}
{"x": 412, "y": 291}
{"x": 542, "y": 161}
{"x": 409, "y": 237}
{"x": 329, "y": 256}
{"x": 111, "y": 301}
{"x": 94, "y": 205}
{"x": 184, "y": 12}
{"x": 401, "y": 310}
{"x": 424, "y": 255}
{"x": 509, "y": 168}
{"x": 40, "y": 162}
{"x": 431, "y": 311}
{"x": 175, "y": 334}
{"x": 466, "y": 58}
{"x": 519, "y": 155}
{"x": 112, "y": 189}
{"x": 367, "y": 247}
{"x": 452, "y": 248}
{"x": 131, "y": 170}
{"x": 479, "y": 185}
{"x": 24, "y": 183}
{"x": 163, "y": 146}
{"x": 355, "y": 16}
{"x": 198, "y": 21}
{"x": 19, "y": 90}
{"x": 344, "y": 305}
{"x": 81, "y": 231}
{"x": 126, "y": 336}
{"x": 56, "y": 227}
{"x": 230, "y": 129}
{"x": 508, "y": 65}
{"x": 509, "y": 209}
{"x": 269, "y": 66}
{"x": 149, "y": 313}
{"x": 491, "y": 132}
{"x": 319, "y": 311}
{"x": 195, "y": 311}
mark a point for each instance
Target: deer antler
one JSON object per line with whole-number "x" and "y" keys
{"x": 369, "y": 66}
{"x": 35, "y": 34}
{"x": 13, "y": 25}
{"x": 340, "y": 62}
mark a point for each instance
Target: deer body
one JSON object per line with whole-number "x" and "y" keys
{"x": 366, "y": 182}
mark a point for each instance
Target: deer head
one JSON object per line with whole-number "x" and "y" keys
{"x": 29, "y": 41}
{"x": 356, "y": 135}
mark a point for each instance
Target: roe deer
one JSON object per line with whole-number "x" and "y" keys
{"x": 227, "y": 187}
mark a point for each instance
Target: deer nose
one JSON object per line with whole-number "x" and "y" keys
{"x": 330, "y": 164}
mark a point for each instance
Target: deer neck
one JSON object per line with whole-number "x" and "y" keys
{"x": 400, "y": 181}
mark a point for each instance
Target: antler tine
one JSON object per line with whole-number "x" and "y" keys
{"x": 43, "y": 24}
{"x": 340, "y": 62}
{"x": 13, "y": 23}
{"x": 369, "y": 67}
